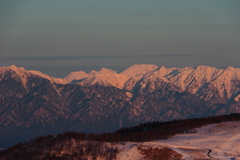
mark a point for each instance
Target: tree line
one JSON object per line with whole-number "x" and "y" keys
{"x": 152, "y": 130}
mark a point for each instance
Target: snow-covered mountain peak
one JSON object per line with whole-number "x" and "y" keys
{"x": 201, "y": 80}
{"x": 202, "y": 67}
{"x": 93, "y": 72}
{"x": 163, "y": 71}
{"x": 77, "y": 75}
{"x": 139, "y": 69}
{"x": 52, "y": 79}
{"x": 107, "y": 79}
{"x": 14, "y": 68}
{"x": 206, "y": 69}
{"x": 230, "y": 68}
{"x": 24, "y": 74}
{"x": 106, "y": 71}
{"x": 80, "y": 75}
{"x": 21, "y": 72}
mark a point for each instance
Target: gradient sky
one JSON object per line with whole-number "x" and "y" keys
{"x": 60, "y": 36}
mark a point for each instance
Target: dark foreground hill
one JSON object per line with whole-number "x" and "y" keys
{"x": 73, "y": 145}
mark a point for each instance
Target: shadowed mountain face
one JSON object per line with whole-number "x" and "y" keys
{"x": 33, "y": 104}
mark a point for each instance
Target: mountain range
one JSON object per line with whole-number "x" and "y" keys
{"x": 34, "y": 104}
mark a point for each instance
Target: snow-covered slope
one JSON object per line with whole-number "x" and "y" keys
{"x": 216, "y": 141}
{"x": 222, "y": 139}
{"x": 216, "y": 86}
{"x": 209, "y": 83}
{"x": 78, "y": 75}
{"x": 23, "y": 75}
{"x": 105, "y": 79}
{"x": 139, "y": 70}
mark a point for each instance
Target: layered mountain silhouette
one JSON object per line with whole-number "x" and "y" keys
{"x": 34, "y": 104}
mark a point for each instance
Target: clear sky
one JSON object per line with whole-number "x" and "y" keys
{"x": 60, "y": 36}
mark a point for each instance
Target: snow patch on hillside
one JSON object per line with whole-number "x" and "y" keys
{"x": 215, "y": 141}
{"x": 222, "y": 139}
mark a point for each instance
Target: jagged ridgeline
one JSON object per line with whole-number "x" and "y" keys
{"x": 34, "y": 104}
{"x": 73, "y": 145}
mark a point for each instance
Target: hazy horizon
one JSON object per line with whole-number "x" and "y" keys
{"x": 58, "y": 37}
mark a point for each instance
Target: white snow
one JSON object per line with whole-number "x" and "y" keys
{"x": 75, "y": 76}
{"x": 129, "y": 151}
{"x": 222, "y": 139}
{"x": 107, "y": 79}
{"x": 139, "y": 70}
{"x": 24, "y": 74}
{"x": 203, "y": 81}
